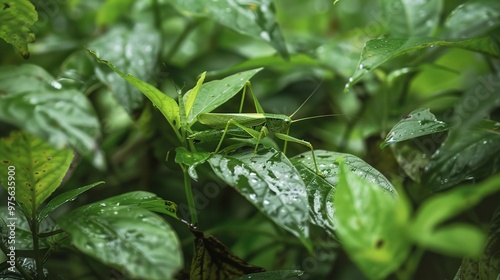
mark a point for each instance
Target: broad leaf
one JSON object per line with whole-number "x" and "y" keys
{"x": 254, "y": 18}
{"x": 215, "y": 93}
{"x": 472, "y": 156}
{"x": 428, "y": 229}
{"x": 59, "y": 200}
{"x": 408, "y": 18}
{"x": 378, "y": 51}
{"x": 192, "y": 94}
{"x": 473, "y": 19}
{"x": 120, "y": 233}
{"x": 273, "y": 275}
{"x": 167, "y": 106}
{"x": 39, "y": 168}
{"x": 418, "y": 123}
{"x": 17, "y": 16}
{"x": 132, "y": 51}
{"x": 213, "y": 260}
{"x": 370, "y": 224}
{"x": 271, "y": 183}
{"x": 37, "y": 103}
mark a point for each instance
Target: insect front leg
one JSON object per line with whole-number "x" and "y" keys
{"x": 286, "y": 137}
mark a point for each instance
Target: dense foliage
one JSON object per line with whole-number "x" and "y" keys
{"x": 286, "y": 139}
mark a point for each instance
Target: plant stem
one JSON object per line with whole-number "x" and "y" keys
{"x": 191, "y": 25}
{"x": 189, "y": 196}
{"x": 36, "y": 248}
{"x": 19, "y": 267}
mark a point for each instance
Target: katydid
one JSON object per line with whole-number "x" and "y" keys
{"x": 254, "y": 125}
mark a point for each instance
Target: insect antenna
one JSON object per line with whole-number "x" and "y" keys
{"x": 307, "y": 99}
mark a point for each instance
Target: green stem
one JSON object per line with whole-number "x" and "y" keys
{"x": 36, "y": 248}
{"x": 19, "y": 267}
{"x": 175, "y": 47}
{"x": 411, "y": 266}
{"x": 190, "y": 197}
{"x": 50, "y": 233}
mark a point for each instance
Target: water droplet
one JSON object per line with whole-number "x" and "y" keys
{"x": 265, "y": 202}
{"x": 265, "y": 35}
{"x": 361, "y": 66}
{"x": 102, "y": 204}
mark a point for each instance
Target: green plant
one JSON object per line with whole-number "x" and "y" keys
{"x": 403, "y": 183}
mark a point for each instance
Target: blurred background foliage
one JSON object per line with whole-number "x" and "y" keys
{"x": 169, "y": 45}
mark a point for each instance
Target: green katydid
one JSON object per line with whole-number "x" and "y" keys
{"x": 246, "y": 125}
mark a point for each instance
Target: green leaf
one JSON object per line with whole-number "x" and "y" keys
{"x": 17, "y": 16}
{"x": 213, "y": 260}
{"x": 271, "y": 183}
{"x": 167, "y": 106}
{"x": 215, "y": 93}
{"x": 34, "y": 101}
{"x": 427, "y": 229}
{"x": 472, "y": 156}
{"x": 39, "y": 169}
{"x": 59, "y": 200}
{"x": 132, "y": 51}
{"x": 321, "y": 190}
{"x": 192, "y": 94}
{"x": 254, "y": 18}
{"x": 120, "y": 233}
{"x": 191, "y": 159}
{"x": 111, "y": 10}
{"x": 378, "y": 51}
{"x": 473, "y": 19}
{"x": 407, "y": 18}
{"x": 418, "y": 123}
{"x": 273, "y": 275}
{"x": 370, "y": 224}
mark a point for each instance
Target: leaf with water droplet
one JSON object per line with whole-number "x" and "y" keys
{"x": 190, "y": 159}
{"x": 109, "y": 234}
{"x": 269, "y": 176}
{"x": 378, "y": 51}
{"x": 473, "y": 19}
{"x": 418, "y": 123}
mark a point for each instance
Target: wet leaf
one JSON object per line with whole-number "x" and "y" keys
{"x": 167, "y": 106}
{"x": 120, "y": 233}
{"x": 473, "y": 19}
{"x": 256, "y": 18}
{"x": 61, "y": 199}
{"x": 370, "y": 224}
{"x": 472, "y": 156}
{"x": 271, "y": 183}
{"x": 133, "y": 52}
{"x": 215, "y": 93}
{"x": 34, "y": 101}
{"x": 418, "y": 123}
{"x": 488, "y": 266}
{"x": 213, "y": 260}
{"x": 453, "y": 239}
{"x": 17, "y": 16}
{"x": 191, "y": 159}
{"x": 38, "y": 167}
{"x": 407, "y": 18}
{"x": 378, "y": 51}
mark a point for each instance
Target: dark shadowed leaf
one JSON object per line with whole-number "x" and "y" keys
{"x": 273, "y": 275}
{"x": 133, "y": 52}
{"x": 378, "y": 51}
{"x": 271, "y": 183}
{"x": 213, "y": 260}
{"x": 255, "y": 18}
{"x": 119, "y": 232}
{"x": 37, "y": 103}
{"x": 407, "y": 18}
{"x": 38, "y": 167}
{"x": 472, "y": 156}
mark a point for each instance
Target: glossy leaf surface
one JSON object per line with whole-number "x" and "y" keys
{"x": 121, "y": 233}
